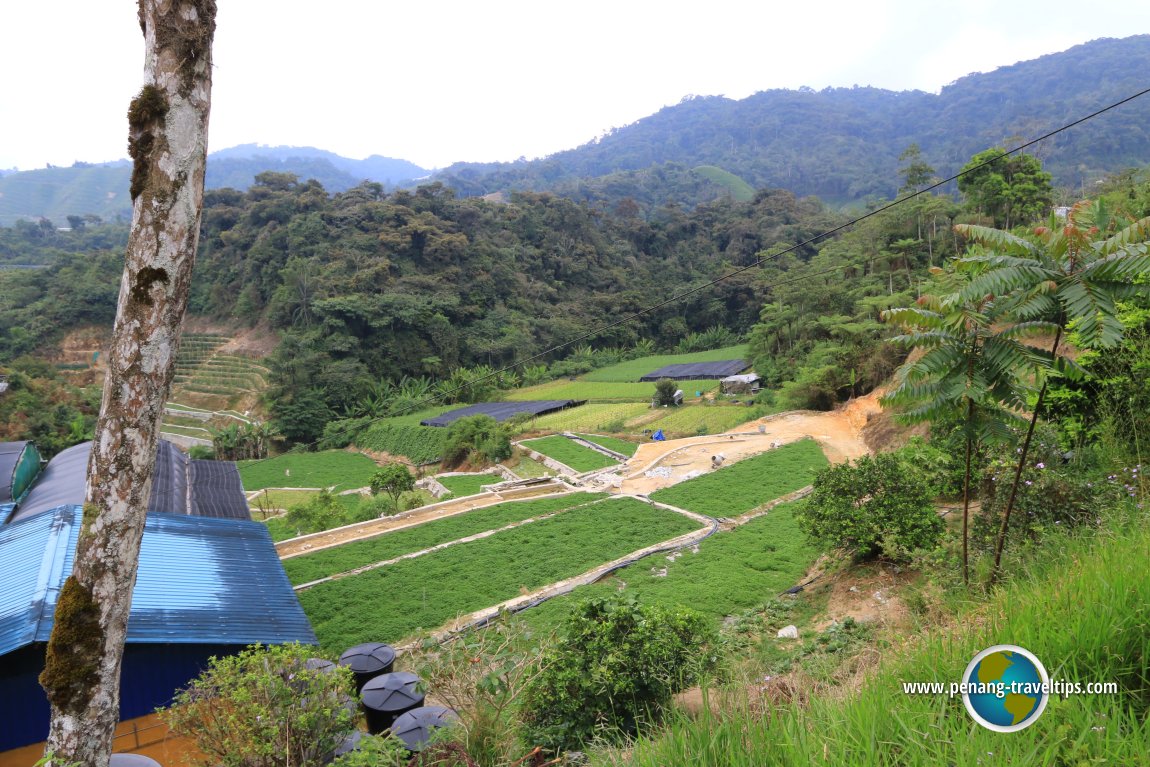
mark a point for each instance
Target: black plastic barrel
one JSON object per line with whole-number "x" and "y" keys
{"x": 350, "y": 743}
{"x": 387, "y": 696}
{"x": 415, "y": 727}
{"x": 319, "y": 664}
{"x": 368, "y": 661}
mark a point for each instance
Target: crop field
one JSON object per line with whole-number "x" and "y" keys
{"x": 690, "y": 420}
{"x": 601, "y": 391}
{"x": 468, "y": 484}
{"x": 592, "y": 416}
{"x": 633, "y": 370}
{"x": 595, "y": 391}
{"x": 742, "y": 486}
{"x": 283, "y": 499}
{"x": 733, "y": 571}
{"x": 198, "y": 432}
{"x": 611, "y": 443}
{"x": 420, "y": 444}
{"x": 340, "y": 468}
{"x": 528, "y": 468}
{"x": 340, "y": 559}
{"x": 571, "y": 453}
{"x": 393, "y": 602}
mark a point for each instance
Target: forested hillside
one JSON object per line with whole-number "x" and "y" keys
{"x": 843, "y": 144}
{"x": 366, "y": 287}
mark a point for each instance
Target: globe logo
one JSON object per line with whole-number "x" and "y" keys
{"x": 1005, "y": 688}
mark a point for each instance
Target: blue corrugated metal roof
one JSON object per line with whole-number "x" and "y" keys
{"x": 200, "y": 580}
{"x": 33, "y": 555}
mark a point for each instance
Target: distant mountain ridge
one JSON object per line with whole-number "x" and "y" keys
{"x": 842, "y": 144}
{"x": 102, "y": 190}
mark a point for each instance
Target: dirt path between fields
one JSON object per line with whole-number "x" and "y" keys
{"x": 325, "y": 540}
{"x": 656, "y": 465}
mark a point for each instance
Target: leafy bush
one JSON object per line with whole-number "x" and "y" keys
{"x": 265, "y": 708}
{"x": 476, "y": 439}
{"x": 616, "y": 668}
{"x": 480, "y": 676}
{"x": 665, "y": 392}
{"x": 877, "y": 506}
{"x": 1052, "y": 493}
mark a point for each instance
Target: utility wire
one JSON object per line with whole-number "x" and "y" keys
{"x": 430, "y": 399}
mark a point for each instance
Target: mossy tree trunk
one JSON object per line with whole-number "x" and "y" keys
{"x": 168, "y": 124}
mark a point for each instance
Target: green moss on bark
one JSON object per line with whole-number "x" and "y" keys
{"x": 72, "y": 664}
{"x": 146, "y": 112}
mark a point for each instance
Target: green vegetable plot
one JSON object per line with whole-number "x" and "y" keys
{"x": 740, "y": 487}
{"x": 340, "y": 559}
{"x": 392, "y": 602}
{"x": 570, "y": 453}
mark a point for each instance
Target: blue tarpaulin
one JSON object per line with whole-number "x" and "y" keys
{"x": 658, "y": 436}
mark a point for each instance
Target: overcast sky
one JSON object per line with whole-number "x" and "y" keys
{"x": 439, "y": 82}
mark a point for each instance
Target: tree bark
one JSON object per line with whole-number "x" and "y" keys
{"x": 168, "y": 124}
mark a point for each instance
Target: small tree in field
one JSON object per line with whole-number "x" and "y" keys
{"x": 394, "y": 479}
{"x": 476, "y": 438}
{"x": 665, "y": 392}
{"x": 875, "y": 507}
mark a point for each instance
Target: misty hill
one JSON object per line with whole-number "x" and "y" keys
{"x": 102, "y": 190}
{"x": 842, "y": 144}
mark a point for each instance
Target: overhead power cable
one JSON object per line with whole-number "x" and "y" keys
{"x": 431, "y": 399}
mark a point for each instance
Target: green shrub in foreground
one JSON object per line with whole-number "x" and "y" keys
{"x": 616, "y": 668}
{"x": 265, "y": 708}
{"x": 875, "y": 506}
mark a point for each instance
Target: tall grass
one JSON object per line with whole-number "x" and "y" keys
{"x": 1083, "y": 609}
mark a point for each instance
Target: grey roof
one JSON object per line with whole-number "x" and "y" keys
{"x": 501, "y": 411}
{"x": 200, "y": 581}
{"x": 179, "y": 486}
{"x": 745, "y": 378}
{"x": 697, "y": 371}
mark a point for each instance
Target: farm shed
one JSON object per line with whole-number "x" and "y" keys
{"x": 179, "y": 485}
{"x": 19, "y": 467}
{"x": 697, "y": 371}
{"x": 204, "y": 587}
{"x": 209, "y": 583}
{"x": 501, "y": 411}
{"x": 740, "y": 384}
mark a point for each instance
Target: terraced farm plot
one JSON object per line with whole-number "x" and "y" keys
{"x": 732, "y": 571}
{"x": 349, "y": 556}
{"x": 743, "y": 486}
{"x": 404, "y": 436}
{"x": 570, "y": 453}
{"x": 611, "y": 443}
{"x": 338, "y": 468}
{"x": 592, "y": 416}
{"x": 593, "y": 391}
{"x": 690, "y": 420}
{"x": 394, "y": 602}
{"x": 633, "y": 370}
{"x": 462, "y": 485}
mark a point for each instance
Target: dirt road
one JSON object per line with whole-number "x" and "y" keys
{"x": 656, "y": 465}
